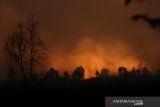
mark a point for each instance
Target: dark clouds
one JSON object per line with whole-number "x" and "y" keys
{"x": 65, "y": 24}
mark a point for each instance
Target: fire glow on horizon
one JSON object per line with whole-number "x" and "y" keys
{"x": 99, "y": 35}
{"x": 94, "y": 56}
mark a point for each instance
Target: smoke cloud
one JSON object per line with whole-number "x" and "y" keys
{"x": 91, "y": 33}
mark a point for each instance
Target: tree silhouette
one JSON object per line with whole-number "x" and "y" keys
{"x": 104, "y": 72}
{"x": 127, "y": 2}
{"x": 36, "y": 49}
{"x": 154, "y": 23}
{"x": 78, "y": 73}
{"x": 16, "y": 48}
{"x": 52, "y": 74}
{"x": 134, "y": 72}
{"x": 122, "y": 71}
{"x": 66, "y": 75}
{"x": 97, "y": 73}
{"x": 11, "y": 73}
{"x": 145, "y": 72}
{"x": 25, "y": 49}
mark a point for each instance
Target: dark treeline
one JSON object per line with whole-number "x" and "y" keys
{"x": 52, "y": 78}
{"x": 79, "y": 74}
{"x": 74, "y": 88}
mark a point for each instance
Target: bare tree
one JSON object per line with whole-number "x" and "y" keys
{"x": 153, "y": 22}
{"x": 35, "y": 46}
{"x": 127, "y": 2}
{"x": 15, "y": 48}
{"x": 25, "y": 48}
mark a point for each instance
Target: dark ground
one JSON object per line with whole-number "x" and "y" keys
{"x": 84, "y": 93}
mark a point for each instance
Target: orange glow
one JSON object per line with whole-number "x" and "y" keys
{"x": 93, "y": 56}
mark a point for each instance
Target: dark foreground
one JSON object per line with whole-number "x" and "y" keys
{"x": 84, "y": 93}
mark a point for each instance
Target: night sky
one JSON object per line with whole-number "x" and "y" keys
{"x": 91, "y": 33}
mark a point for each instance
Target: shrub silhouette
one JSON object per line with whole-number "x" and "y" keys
{"x": 134, "y": 72}
{"x": 122, "y": 71}
{"x": 145, "y": 72}
{"x": 78, "y": 73}
{"x": 97, "y": 73}
{"x": 66, "y": 75}
{"x": 52, "y": 74}
{"x": 104, "y": 73}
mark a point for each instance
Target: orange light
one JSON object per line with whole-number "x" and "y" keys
{"x": 93, "y": 56}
